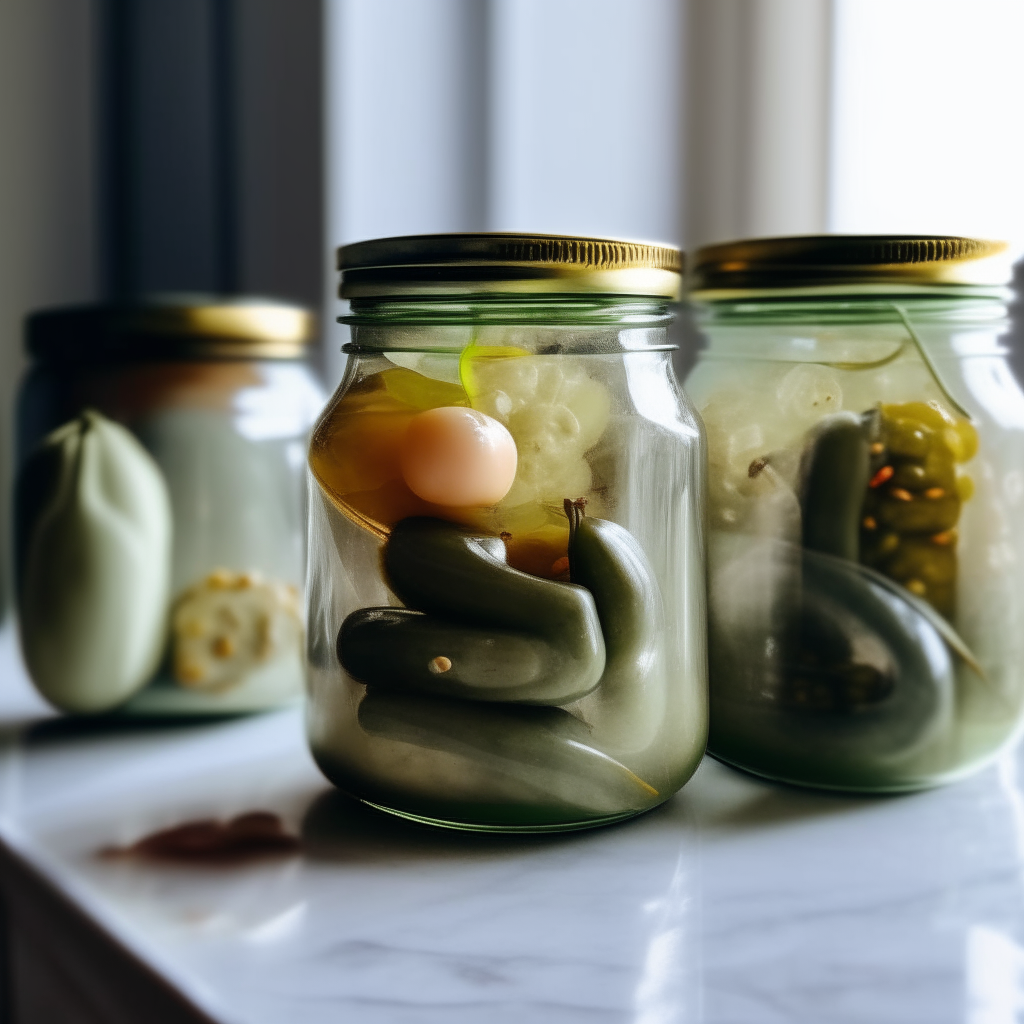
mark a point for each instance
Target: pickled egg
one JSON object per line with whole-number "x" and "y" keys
{"x": 458, "y": 457}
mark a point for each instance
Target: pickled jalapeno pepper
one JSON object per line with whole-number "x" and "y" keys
{"x": 913, "y": 499}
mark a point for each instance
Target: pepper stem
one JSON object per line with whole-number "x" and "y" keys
{"x": 574, "y": 512}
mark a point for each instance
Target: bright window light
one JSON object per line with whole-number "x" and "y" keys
{"x": 926, "y": 126}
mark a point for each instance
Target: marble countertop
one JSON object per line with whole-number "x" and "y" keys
{"x": 737, "y": 901}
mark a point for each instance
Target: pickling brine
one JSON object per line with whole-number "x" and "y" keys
{"x": 505, "y": 606}
{"x": 866, "y": 553}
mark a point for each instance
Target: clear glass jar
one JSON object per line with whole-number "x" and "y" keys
{"x": 533, "y": 657}
{"x": 866, "y": 466}
{"x": 221, "y": 396}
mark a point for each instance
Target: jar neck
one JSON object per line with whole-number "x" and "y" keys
{"x": 825, "y": 311}
{"x": 514, "y": 309}
{"x": 538, "y": 324}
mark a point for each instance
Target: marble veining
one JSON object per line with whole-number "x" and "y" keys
{"x": 737, "y": 902}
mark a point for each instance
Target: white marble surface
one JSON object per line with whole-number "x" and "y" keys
{"x": 738, "y": 902}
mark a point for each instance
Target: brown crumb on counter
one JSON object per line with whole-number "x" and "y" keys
{"x": 247, "y": 837}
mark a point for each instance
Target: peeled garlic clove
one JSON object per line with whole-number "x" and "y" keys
{"x": 458, "y": 457}
{"x": 94, "y": 551}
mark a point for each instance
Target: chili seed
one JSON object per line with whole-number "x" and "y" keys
{"x": 756, "y": 466}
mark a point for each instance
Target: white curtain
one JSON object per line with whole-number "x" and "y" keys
{"x": 926, "y": 118}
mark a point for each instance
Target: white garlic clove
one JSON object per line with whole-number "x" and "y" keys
{"x": 94, "y": 551}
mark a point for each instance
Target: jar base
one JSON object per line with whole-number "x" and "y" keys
{"x": 834, "y": 787}
{"x": 466, "y": 826}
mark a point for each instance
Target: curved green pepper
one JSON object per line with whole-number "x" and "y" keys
{"x": 835, "y": 470}
{"x": 395, "y": 648}
{"x": 866, "y": 659}
{"x": 609, "y": 562}
{"x": 530, "y": 756}
{"x": 474, "y": 601}
{"x": 869, "y": 654}
{"x": 851, "y": 676}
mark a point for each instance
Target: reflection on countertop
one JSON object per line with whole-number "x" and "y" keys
{"x": 737, "y": 901}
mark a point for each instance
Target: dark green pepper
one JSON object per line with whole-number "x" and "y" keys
{"x": 838, "y": 499}
{"x": 609, "y": 562}
{"x": 474, "y": 602}
{"x": 531, "y": 755}
{"x": 865, "y": 657}
{"x": 835, "y": 473}
{"x": 401, "y": 649}
{"x": 871, "y": 652}
{"x": 850, "y": 675}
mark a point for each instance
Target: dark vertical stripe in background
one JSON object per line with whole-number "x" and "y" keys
{"x": 224, "y": 145}
{"x": 212, "y": 147}
{"x": 115, "y": 202}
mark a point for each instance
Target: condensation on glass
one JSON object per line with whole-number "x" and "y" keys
{"x": 507, "y": 648}
{"x": 219, "y": 393}
{"x": 866, "y": 545}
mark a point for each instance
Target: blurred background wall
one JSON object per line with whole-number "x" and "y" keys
{"x": 48, "y": 213}
{"x": 209, "y": 116}
{"x": 230, "y": 145}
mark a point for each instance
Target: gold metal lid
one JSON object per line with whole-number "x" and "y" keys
{"x": 846, "y": 264}
{"x": 172, "y": 327}
{"x": 491, "y": 264}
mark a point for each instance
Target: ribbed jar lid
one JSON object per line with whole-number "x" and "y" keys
{"x": 491, "y": 264}
{"x": 844, "y": 264}
{"x": 172, "y": 327}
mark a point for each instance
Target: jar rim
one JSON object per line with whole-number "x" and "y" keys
{"x": 171, "y": 327}
{"x": 848, "y": 265}
{"x": 489, "y": 263}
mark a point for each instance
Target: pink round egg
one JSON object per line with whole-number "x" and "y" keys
{"x": 458, "y": 457}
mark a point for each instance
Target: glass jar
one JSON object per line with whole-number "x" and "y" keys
{"x": 866, "y": 466}
{"x": 506, "y": 566}
{"x": 220, "y": 395}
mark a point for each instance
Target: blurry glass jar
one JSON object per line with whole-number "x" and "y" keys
{"x": 866, "y": 466}
{"x": 220, "y": 394}
{"x": 506, "y": 591}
